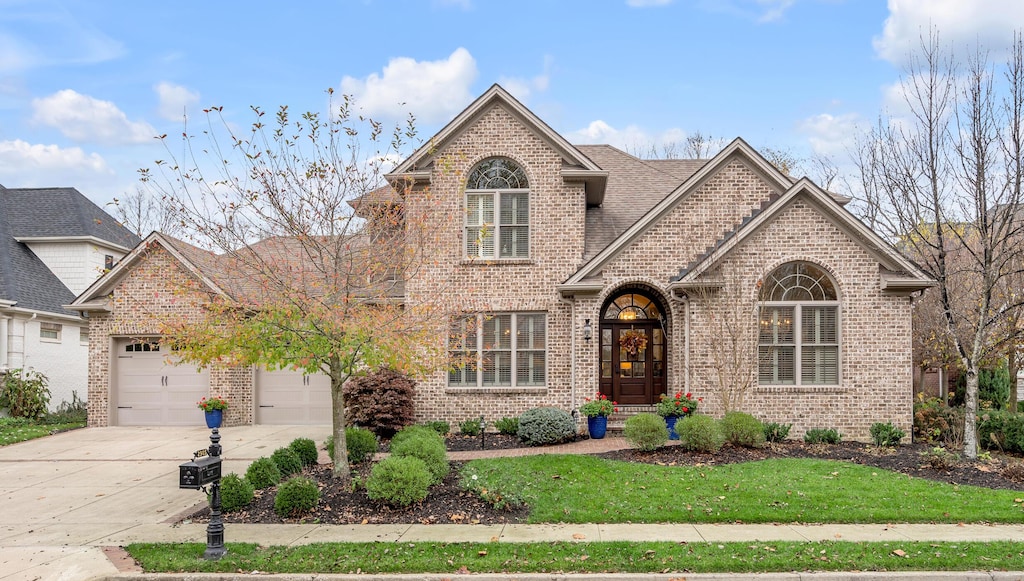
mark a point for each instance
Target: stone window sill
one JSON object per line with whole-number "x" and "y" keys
{"x": 811, "y": 389}
{"x": 496, "y": 262}
{"x": 495, "y": 390}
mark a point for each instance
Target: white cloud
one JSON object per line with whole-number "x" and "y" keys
{"x": 632, "y": 139}
{"x": 523, "y": 88}
{"x": 25, "y": 165}
{"x": 773, "y": 10}
{"x": 433, "y": 90}
{"x": 175, "y": 100}
{"x": 959, "y": 22}
{"x": 760, "y": 11}
{"x": 463, "y": 4}
{"x": 85, "y": 119}
{"x": 830, "y": 134}
{"x": 647, "y": 3}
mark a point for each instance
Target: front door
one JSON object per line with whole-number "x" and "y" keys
{"x": 633, "y": 361}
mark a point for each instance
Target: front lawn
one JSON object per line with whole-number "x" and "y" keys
{"x": 610, "y": 557}
{"x": 584, "y": 489}
{"x": 13, "y": 430}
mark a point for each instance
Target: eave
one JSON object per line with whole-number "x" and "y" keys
{"x": 594, "y": 182}
{"x": 66, "y": 239}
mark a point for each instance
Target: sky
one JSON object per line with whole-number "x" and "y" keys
{"x": 86, "y": 86}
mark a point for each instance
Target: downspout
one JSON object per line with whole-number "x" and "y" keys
{"x": 686, "y": 343}
{"x": 4, "y": 363}
{"x": 572, "y": 354}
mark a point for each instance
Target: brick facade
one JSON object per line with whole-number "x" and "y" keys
{"x": 147, "y": 294}
{"x": 875, "y": 349}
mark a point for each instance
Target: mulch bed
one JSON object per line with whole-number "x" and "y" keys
{"x": 448, "y": 503}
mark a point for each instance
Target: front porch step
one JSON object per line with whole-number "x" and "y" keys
{"x": 617, "y": 421}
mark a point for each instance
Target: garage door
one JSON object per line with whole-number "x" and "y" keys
{"x": 286, "y": 397}
{"x": 152, "y": 392}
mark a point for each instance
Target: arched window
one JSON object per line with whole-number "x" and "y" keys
{"x": 798, "y": 340}
{"x": 497, "y": 210}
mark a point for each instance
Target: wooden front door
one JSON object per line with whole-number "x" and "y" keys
{"x": 632, "y": 361}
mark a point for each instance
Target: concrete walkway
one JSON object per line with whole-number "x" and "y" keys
{"x": 66, "y": 497}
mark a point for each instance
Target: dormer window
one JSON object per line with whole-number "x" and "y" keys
{"x": 497, "y": 211}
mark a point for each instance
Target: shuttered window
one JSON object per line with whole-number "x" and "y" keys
{"x": 798, "y": 339}
{"x": 498, "y": 350}
{"x": 497, "y": 211}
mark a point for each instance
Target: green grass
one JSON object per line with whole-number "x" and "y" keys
{"x": 584, "y": 489}
{"x": 13, "y": 430}
{"x": 619, "y": 557}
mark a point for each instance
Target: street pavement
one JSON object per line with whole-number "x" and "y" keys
{"x": 71, "y": 499}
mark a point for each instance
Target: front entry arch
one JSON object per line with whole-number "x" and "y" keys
{"x": 634, "y": 354}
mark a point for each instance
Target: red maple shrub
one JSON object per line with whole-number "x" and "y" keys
{"x": 380, "y": 401}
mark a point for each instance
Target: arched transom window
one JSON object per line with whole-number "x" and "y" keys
{"x": 631, "y": 307}
{"x": 497, "y": 210}
{"x": 798, "y": 341}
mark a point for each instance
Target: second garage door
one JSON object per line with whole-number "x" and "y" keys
{"x": 152, "y": 391}
{"x": 287, "y": 397}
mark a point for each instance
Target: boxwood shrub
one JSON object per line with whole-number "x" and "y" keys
{"x": 288, "y": 462}
{"x": 296, "y": 496}
{"x": 263, "y": 473}
{"x": 306, "y": 449}
{"x": 399, "y": 481}
{"x": 646, "y": 432}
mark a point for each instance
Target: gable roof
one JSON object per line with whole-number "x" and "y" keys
{"x": 736, "y": 149}
{"x": 26, "y": 283}
{"x": 63, "y": 213}
{"x": 898, "y": 274}
{"x": 576, "y": 165}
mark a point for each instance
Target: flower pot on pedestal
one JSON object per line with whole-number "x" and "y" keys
{"x": 670, "y": 422}
{"x": 597, "y": 426}
{"x": 214, "y": 418}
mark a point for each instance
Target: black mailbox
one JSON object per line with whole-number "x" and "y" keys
{"x": 199, "y": 472}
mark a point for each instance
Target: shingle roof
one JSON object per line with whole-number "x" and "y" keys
{"x": 634, "y": 187}
{"x": 62, "y": 212}
{"x": 54, "y": 212}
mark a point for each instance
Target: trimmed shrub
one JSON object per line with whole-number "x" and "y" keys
{"x": 700, "y": 433}
{"x": 774, "y": 432}
{"x": 507, "y": 426}
{"x": 295, "y": 497}
{"x": 742, "y": 429}
{"x": 416, "y": 431}
{"x": 646, "y": 432}
{"x": 469, "y": 427}
{"x": 429, "y": 450}
{"x": 235, "y": 492}
{"x": 381, "y": 401}
{"x": 1001, "y": 430}
{"x": 288, "y": 462}
{"x": 24, "y": 393}
{"x": 822, "y": 436}
{"x": 546, "y": 425}
{"x": 440, "y": 427}
{"x": 361, "y": 444}
{"x": 399, "y": 481}
{"x": 263, "y": 473}
{"x": 886, "y": 434}
{"x": 306, "y": 449}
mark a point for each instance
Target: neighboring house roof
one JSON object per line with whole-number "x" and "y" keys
{"x": 52, "y": 214}
{"x": 62, "y": 213}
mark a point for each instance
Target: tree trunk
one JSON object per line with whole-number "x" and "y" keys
{"x": 971, "y": 412}
{"x": 1011, "y": 365}
{"x": 340, "y": 459}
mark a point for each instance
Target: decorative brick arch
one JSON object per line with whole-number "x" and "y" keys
{"x": 634, "y": 345}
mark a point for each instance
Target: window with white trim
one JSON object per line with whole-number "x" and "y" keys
{"x": 498, "y": 350}
{"x": 798, "y": 339}
{"x": 50, "y": 331}
{"x": 497, "y": 211}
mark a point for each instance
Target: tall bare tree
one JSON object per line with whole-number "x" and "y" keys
{"x": 143, "y": 212}
{"x": 942, "y": 182}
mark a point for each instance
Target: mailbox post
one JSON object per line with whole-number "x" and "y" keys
{"x": 205, "y": 468}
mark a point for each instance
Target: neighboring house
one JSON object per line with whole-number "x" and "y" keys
{"x": 576, "y": 269}
{"x": 54, "y": 243}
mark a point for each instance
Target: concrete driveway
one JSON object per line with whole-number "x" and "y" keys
{"x": 66, "y": 495}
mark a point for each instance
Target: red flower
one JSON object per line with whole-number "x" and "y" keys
{"x": 686, "y": 410}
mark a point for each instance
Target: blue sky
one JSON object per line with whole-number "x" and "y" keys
{"x": 84, "y": 86}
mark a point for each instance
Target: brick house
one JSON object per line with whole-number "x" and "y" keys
{"x": 54, "y": 242}
{"x": 576, "y": 269}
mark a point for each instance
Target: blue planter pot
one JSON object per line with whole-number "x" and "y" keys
{"x": 214, "y": 418}
{"x": 670, "y": 421}
{"x": 597, "y": 426}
